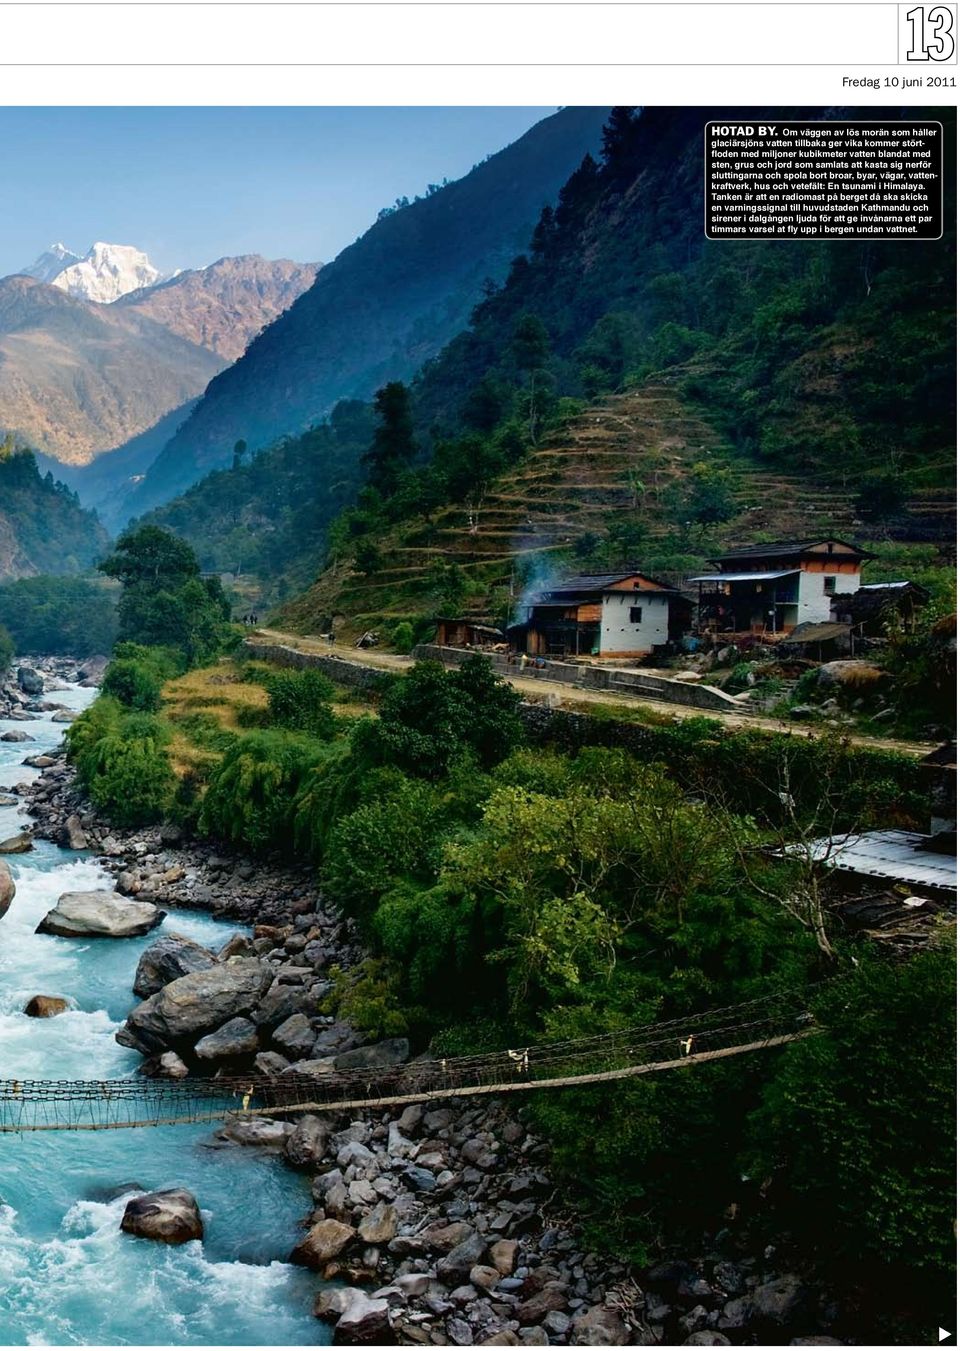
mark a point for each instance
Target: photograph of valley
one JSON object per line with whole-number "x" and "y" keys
{"x": 477, "y": 739}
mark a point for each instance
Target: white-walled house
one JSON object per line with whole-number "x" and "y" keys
{"x": 771, "y": 588}
{"x": 624, "y": 614}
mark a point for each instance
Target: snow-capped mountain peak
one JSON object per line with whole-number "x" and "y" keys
{"x": 108, "y": 272}
{"x": 51, "y": 263}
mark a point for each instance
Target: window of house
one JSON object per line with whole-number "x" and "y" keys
{"x": 636, "y": 614}
{"x": 830, "y": 585}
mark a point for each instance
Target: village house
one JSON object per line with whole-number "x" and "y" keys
{"x": 617, "y": 614}
{"x": 771, "y": 588}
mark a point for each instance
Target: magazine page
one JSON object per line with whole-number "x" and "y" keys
{"x": 478, "y": 674}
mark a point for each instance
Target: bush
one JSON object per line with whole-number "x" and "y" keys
{"x": 7, "y": 650}
{"x": 134, "y": 684}
{"x": 250, "y": 798}
{"x": 858, "y": 1122}
{"x": 122, "y": 762}
{"x": 432, "y": 717}
{"x": 300, "y": 702}
{"x": 403, "y": 637}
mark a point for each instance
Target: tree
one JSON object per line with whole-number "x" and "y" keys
{"x": 394, "y": 446}
{"x": 164, "y": 601}
{"x": 239, "y": 450}
{"x": 7, "y": 650}
{"x": 857, "y": 1127}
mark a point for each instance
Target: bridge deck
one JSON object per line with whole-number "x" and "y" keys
{"x": 118, "y": 1104}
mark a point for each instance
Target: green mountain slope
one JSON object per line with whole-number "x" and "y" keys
{"x": 384, "y": 306}
{"x": 43, "y": 528}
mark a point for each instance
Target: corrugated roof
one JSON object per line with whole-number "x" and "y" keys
{"x": 897, "y": 855}
{"x": 743, "y": 576}
{"x": 599, "y": 581}
{"x": 817, "y": 633}
{"x": 792, "y": 546}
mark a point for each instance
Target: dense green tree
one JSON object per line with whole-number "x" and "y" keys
{"x": 59, "y": 616}
{"x": 164, "y": 601}
{"x": 857, "y": 1126}
{"x": 133, "y": 684}
{"x": 394, "y": 445}
{"x": 432, "y": 717}
{"x": 7, "y": 649}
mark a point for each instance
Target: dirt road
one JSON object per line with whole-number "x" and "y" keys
{"x": 536, "y": 688}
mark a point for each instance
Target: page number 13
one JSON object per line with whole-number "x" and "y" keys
{"x": 931, "y": 36}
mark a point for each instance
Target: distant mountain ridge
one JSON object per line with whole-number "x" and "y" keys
{"x": 383, "y": 307}
{"x": 79, "y": 377}
{"x": 223, "y": 306}
{"x": 107, "y": 272}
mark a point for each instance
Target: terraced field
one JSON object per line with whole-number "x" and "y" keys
{"x": 626, "y": 456}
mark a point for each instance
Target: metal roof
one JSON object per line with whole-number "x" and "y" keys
{"x": 599, "y": 582}
{"x": 897, "y": 855}
{"x": 790, "y": 546}
{"x": 743, "y": 576}
{"x": 813, "y": 632}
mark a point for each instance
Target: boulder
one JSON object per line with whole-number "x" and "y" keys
{"x": 599, "y": 1326}
{"x": 45, "y": 1006}
{"x": 533, "y": 1310}
{"x": 39, "y": 761}
{"x": 380, "y": 1226}
{"x": 503, "y": 1255}
{"x": 778, "y": 1301}
{"x": 307, "y": 1144}
{"x": 364, "y": 1322}
{"x": 707, "y": 1337}
{"x": 16, "y": 735}
{"x": 29, "y": 680}
{"x": 455, "y": 1268}
{"x": 71, "y": 835}
{"x": 169, "y": 958}
{"x": 295, "y": 1036}
{"x": 270, "y": 1062}
{"x": 64, "y": 715}
{"x": 322, "y": 1243}
{"x": 257, "y": 1131}
{"x": 382, "y": 1055}
{"x": 238, "y": 1037}
{"x": 166, "y": 1216}
{"x": 190, "y": 1007}
{"x": 8, "y": 888}
{"x": 99, "y": 914}
{"x": 17, "y": 844}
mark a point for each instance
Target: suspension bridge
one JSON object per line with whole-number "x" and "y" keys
{"x": 28, "y": 1105}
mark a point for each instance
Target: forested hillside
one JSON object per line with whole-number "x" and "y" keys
{"x": 636, "y": 392}
{"x": 43, "y": 528}
{"x": 384, "y": 306}
{"x": 631, "y": 392}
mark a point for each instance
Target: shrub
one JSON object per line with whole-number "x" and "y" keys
{"x": 300, "y": 702}
{"x": 134, "y": 684}
{"x": 858, "y": 1122}
{"x": 403, "y": 637}
{"x": 432, "y": 717}
{"x": 250, "y": 797}
{"x": 122, "y": 762}
{"x": 6, "y": 650}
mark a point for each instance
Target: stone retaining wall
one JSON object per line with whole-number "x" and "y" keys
{"x": 350, "y": 673}
{"x": 615, "y": 679}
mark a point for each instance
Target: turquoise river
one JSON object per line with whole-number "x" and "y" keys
{"x": 68, "y": 1275}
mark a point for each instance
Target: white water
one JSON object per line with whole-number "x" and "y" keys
{"x": 67, "y": 1273}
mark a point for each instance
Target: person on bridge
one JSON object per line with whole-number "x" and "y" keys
{"x": 686, "y": 1044}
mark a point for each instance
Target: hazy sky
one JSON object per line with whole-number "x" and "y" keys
{"x": 190, "y": 185}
